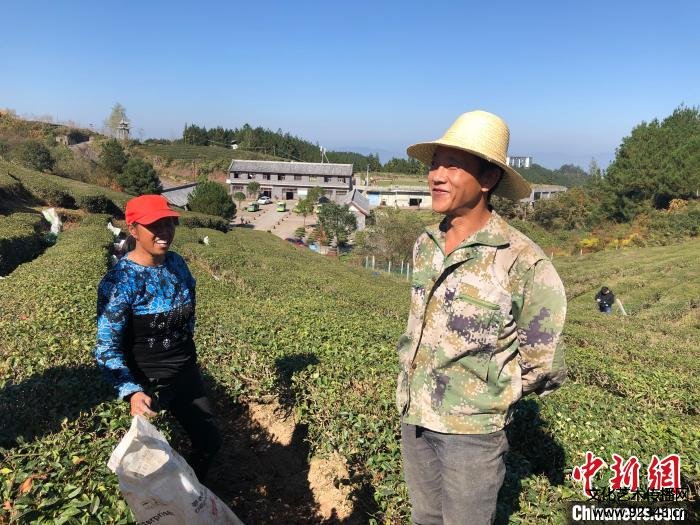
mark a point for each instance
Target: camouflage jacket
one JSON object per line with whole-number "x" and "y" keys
{"x": 484, "y": 329}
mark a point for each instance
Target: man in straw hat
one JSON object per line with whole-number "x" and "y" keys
{"x": 484, "y": 329}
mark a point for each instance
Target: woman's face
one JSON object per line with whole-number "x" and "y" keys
{"x": 154, "y": 238}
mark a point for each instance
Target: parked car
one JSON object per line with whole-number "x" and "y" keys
{"x": 253, "y": 206}
{"x": 264, "y": 200}
{"x": 281, "y": 206}
{"x": 294, "y": 240}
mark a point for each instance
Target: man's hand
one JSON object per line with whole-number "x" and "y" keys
{"x": 141, "y": 405}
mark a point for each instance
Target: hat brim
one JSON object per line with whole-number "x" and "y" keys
{"x": 150, "y": 218}
{"x": 512, "y": 186}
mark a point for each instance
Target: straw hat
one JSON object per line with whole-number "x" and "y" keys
{"x": 482, "y": 134}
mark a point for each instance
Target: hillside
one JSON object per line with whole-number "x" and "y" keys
{"x": 298, "y": 351}
{"x": 567, "y": 175}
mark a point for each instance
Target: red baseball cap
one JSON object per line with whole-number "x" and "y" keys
{"x": 147, "y": 209}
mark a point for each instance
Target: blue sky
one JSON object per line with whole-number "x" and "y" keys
{"x": 571, "y": 79}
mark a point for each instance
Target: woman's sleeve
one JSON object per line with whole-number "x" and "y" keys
{"x": 113, "y": 306}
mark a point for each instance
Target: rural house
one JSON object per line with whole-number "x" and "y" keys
{"x": 359, "y": 206}
{"x": 282, "y": 180}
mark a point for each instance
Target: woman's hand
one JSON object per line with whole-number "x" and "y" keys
{"x": 141, "y": 405}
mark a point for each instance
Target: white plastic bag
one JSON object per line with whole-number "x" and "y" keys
{"x": 51, "y": 216}
{"x": 158, "y": 484}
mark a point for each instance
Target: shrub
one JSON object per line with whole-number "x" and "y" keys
{"x": 568, "y": 210}
{"x": 55, "y": 196}
{"x": 139, "y": 178}
{"x": 74, "y": 168}
{"x": 95, "y": 203}
{"x": 211, "y": 198}
{"x": 112, "y": 156}
{"x": 34, "y": 155}
{"x": 198, "y": 220}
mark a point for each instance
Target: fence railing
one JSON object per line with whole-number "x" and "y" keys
{"x": 400, "y": 268}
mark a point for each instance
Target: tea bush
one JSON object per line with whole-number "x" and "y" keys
{"x": 320, "y": 336}
{"x": 21, "y": 239}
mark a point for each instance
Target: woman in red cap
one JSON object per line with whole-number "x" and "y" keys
{"x": 145, "y": 324}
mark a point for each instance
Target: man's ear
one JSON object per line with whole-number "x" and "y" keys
{"x": 489, "y": 178}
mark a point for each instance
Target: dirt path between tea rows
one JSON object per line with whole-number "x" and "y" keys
{"x": 264, "y": 473}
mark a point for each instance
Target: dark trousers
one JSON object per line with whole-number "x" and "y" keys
{"x": 453, "y": 478}
{"x": 184, "y": 397}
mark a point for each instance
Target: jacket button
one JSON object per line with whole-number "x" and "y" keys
{"x": 413, "y": 366}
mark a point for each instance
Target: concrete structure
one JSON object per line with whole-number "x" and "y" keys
{"x": 543, "y": 191}
{"x": 123, "y": 130}
{"x": 417, "y": 197}
{"x": 282, "y": 180}
{"x": 359, "y": 206}
{"x": 177, "y": 195}
{"x": 519, "y": 162}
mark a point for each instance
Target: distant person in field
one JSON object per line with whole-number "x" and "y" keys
{"x": 605, "y": 299}
{"x": 145, "y": 324}
{"x": 484, "y": 328}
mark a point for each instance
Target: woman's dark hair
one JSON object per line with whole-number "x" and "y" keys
{"x": 130, "y": 244}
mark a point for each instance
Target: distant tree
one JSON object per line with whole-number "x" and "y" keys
{"x": 113, "y": 157}
{"x": 594, "y": 170}
{"x": 408, "y": 166}
{"x": 305, "y": 208}
{"x": 337, "y": 221}
{"x": 391, "y": 233}
{"x": 117, "y": 114}
{"x": 139, "y": 178}
{"x": 252, "y": 188}
{"x": 373, "y": 162}
{"x": 314, "y": 194}
{"x": 658, "y": 162}
{"x": 239, "y": 197}
{"x": 509, "y": 209}
{"x": 300, "y": 232}
{"x": 34, "y": 155}
{"x": 568, "y": 210}
{"x": 76, "y": 136}
{"x": 211, "y": 198}
{"x": 195, "y": 135}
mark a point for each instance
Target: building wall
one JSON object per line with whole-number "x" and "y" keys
{"x": 283, "y": 186}
{"x": 519, "y": 162}
{"x": 543, "y": 192}
{"x": 400, "y": 199}
{"x": 359, "y": 217}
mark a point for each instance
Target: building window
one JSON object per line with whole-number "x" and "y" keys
{"x": 266, "y": 176}
{"x": 313, "y": 178}
{"x": 327, "y": 179}
{"x": 281, "y": 177}
{"x": 235, "y": 175}
{"x": 297, "y": 177}
{"x": 250, "y": 176}
{"x": 341, "y": 179}
{"x": 340, "y": 193}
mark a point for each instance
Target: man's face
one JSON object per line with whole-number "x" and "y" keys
{"x": 156, "y": 237}
{"x": 454, "y": 181}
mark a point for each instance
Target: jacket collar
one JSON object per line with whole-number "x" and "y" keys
{"x": 494, "y": 234}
